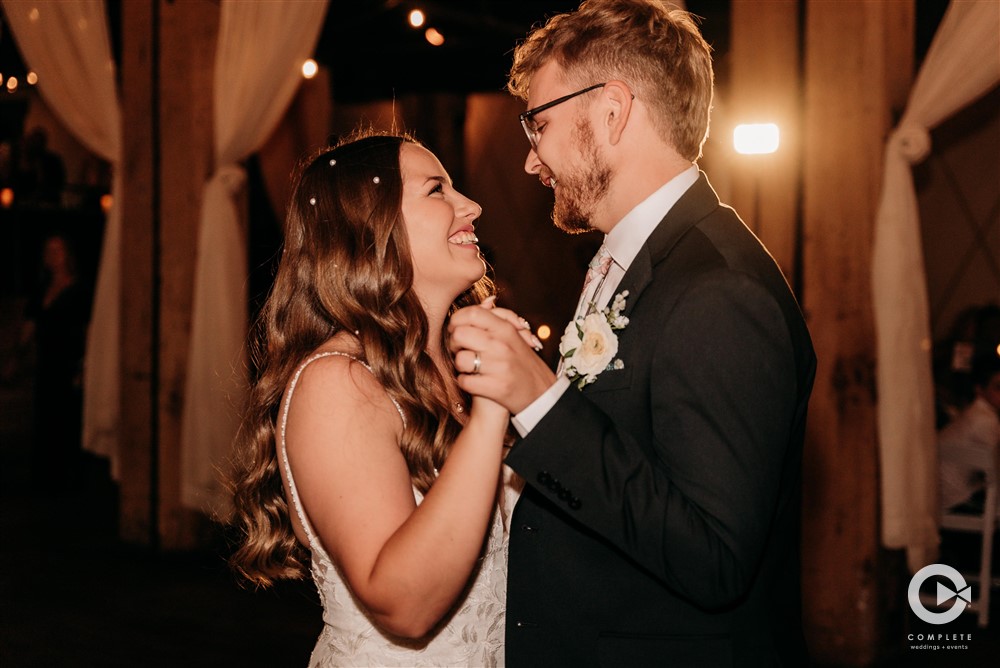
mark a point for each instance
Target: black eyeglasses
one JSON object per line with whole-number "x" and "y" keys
{"x": 527, "y": 118}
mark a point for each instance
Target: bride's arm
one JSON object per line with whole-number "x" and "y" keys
{"x": 406, "y": 564}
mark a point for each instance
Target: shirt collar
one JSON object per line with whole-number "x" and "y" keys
{"x": 631, "y": 232}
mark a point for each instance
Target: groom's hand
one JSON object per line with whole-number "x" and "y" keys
{"x": 509, "y": 372}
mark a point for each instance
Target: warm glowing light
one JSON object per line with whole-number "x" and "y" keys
{"x": 417, "y": 18}
{"x": 309, "y": 69}
{"x": 106, "y": 201}
{"x": 998, "y": 350}
{"x": 11, "y": 84}
{"x": 1, "y": 77}
{"x": 756, "y": 138}
{"x": 6, "y": 197}
{"x": 544, "y": 332}
{"x": 434, "y": 37}
{"x": 32, "y": 78}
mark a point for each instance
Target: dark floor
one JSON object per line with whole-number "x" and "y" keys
{"x": 72, "y": 595}
{"x": 976, "y": 647}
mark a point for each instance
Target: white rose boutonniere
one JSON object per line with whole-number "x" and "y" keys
{"x": 589, "y": 344}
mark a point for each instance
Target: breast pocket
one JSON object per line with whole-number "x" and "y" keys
{"x": 611, "y": 379}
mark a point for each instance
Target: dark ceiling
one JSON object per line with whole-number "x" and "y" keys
{"x": 373, "y": 53}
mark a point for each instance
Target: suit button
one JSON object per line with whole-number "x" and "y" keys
{"x": 564, "y": 494}
{"x": 575, "y": 503}
{"x": 544, "y": 478}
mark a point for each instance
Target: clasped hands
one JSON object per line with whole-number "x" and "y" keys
{"x": 495, "y": 356}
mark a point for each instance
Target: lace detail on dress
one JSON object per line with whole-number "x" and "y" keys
{"x": 472, "y": 635}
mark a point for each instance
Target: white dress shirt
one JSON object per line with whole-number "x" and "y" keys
{"x": 623, "y": 241}
{"x": 977, "y": 428}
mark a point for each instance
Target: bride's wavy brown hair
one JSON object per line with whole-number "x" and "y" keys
{"x": 345, "y": 265}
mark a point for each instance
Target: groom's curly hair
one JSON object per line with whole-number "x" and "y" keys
{"x": 345, "y": 265}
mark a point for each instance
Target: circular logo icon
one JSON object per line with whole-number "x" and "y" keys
{"x": 959, "y": 595}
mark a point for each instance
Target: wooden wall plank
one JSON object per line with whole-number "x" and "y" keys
{"x": 187, "y": 64}
{"x": 856, "y": 68}
{"x": 138, "y": 206}
{"x": 766, "y": 87}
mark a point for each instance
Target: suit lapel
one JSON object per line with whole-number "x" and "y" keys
{"x": 699, "y": 201}
{"x": 694, "y": 205}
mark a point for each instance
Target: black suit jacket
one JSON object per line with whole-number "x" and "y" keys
{"x": 660, "y": 521}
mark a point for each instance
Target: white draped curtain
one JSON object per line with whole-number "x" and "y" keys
{"x": 261, "y": 48}
{"x": 67, "y": 45}
{"x": 962, "y": 64}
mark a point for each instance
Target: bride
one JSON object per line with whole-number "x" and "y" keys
{"x": 358, "y": 454}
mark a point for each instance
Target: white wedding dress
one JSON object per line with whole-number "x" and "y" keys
{"x": 473, "y": 633}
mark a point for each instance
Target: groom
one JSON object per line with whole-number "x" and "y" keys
{"x": 659, "y": 524}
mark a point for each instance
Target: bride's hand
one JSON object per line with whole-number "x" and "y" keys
{"x": 519, "y": 323}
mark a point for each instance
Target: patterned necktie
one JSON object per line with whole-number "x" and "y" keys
{"x": 597, "y": 269}
{"x": 599, "y": 266}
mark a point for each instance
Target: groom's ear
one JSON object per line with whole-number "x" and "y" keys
{"x": 618, "y": 99}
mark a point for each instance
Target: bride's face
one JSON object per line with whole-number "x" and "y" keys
{"x": 439, "y": 224}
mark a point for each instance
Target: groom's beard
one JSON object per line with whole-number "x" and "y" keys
{"x": 577, "y": 195}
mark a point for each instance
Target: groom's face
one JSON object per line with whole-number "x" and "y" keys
{"x": 567, "y": 157}
{"x": 584, "y": 182}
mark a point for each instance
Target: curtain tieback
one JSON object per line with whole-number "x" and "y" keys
{"x": 913, "y": 142}
{"x": 230, "y": 176}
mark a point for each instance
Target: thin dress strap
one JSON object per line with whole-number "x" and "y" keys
{"x": 314, "y": 543}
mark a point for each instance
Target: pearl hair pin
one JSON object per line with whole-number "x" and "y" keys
{"x": 312, "y": 201}
{"x": 376, "y": 180}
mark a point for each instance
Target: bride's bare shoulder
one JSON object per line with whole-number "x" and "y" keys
{"x": 334, "y": 382}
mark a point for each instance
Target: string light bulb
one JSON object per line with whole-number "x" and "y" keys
{"x": 417, "y": 18}
{"x": 434, "y": 37}
{"x": 309, "y": 68}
